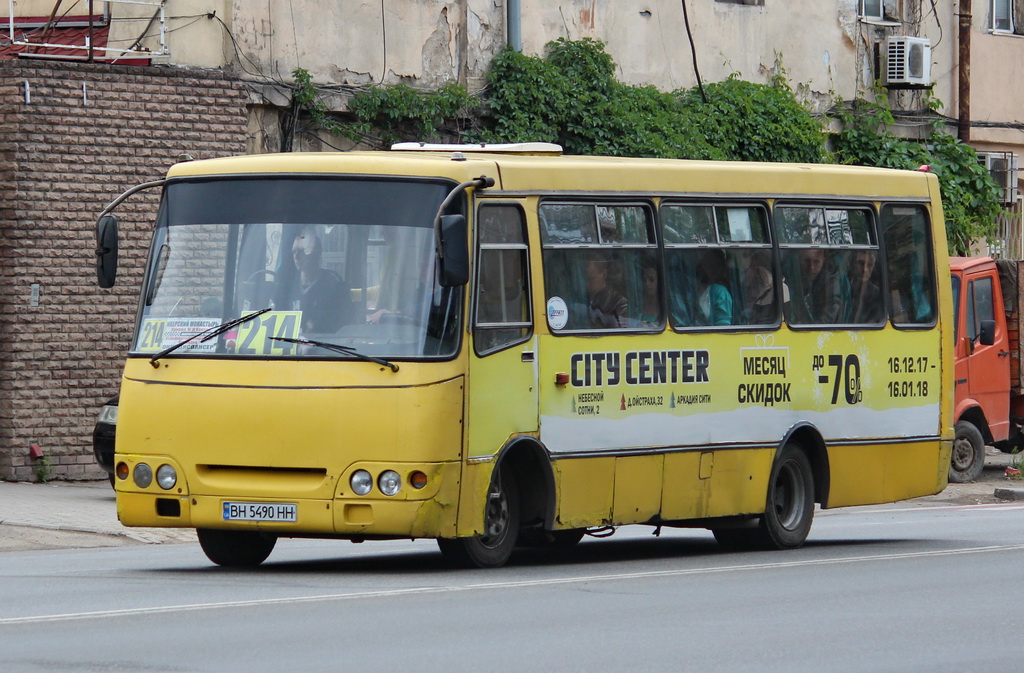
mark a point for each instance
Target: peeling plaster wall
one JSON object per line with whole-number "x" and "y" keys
{"x": 650, "y": 44}
{"x": 424, "y": 43}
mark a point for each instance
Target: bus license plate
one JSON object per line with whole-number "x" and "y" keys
{"x": 260, "y": 511}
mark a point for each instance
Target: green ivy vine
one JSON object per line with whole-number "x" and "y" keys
{"x": 571, "y": 97}
{"x": 971, "y": 198}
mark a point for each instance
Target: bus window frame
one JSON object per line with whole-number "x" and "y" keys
{"x": 164, "y": 220}
{"x": 473, "y": 324}
{"x": 649, "y": 206}
{"x": 923, "y": 207}
{"x": 771, "y": 246}
{"x": 874, "y": 222}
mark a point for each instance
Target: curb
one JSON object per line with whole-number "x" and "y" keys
{"x": 143, "y": 535}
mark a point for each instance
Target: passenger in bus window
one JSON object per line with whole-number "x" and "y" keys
{"x": 865, "y": 294}
{"x": 714, "y": 301}
{"x": 650, "y": 313}
{"x": 758, "y": 287}
{"x": 320, "y": 293}
{"x": 607, "y": 307}
{"x": 821, "y": 299}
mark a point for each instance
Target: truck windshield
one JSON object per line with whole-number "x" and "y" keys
{"x": 343, "y": 262}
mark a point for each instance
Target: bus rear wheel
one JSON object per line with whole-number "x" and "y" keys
{"x": 968, "y": 458}
{"x": 236, "y": 548}
{"x": 494, "y": 546}
{"x": 789, "y": 507}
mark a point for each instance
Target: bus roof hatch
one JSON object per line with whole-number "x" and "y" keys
{"x": 495, "y": 148}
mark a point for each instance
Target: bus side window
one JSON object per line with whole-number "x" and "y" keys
{"x": 908, "y": 264}
{"x": 719, "y": 267}
{"x": 830, "y": 260}
{"x": 502, "y": 288}
{"x": 592, "y": 255}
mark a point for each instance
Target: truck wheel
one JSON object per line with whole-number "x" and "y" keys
{"x": 968, "y": 457}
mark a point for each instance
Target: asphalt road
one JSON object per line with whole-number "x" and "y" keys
{"x": 896, "y": 588}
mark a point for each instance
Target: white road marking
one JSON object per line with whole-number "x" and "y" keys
{"x": 291, "y": 600}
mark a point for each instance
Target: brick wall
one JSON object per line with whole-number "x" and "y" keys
{"x": 64, "y": 155}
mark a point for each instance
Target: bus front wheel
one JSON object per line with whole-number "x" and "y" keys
{"x": 494, "y": 546}
{"x": 789, "y": 507}
{"x": 236, "y": 548}
{"x": 968, "y": 458}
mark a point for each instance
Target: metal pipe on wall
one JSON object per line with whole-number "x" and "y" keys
{"x": 514, "y": 23}
{"x": 964, "y": 74}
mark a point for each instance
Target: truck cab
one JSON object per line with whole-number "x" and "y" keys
{"x": 987, "y": 398}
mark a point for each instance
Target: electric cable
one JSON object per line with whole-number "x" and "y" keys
{"x": 693, "y": 52}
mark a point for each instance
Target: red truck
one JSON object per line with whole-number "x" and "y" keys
{"x": 989, "y": 399}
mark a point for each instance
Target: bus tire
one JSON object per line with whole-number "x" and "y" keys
{"x": 967, "y": 459}
{"x": 789, "y": 510}
{"x": 789, "y": 507}
{"x": 493, "y": 548}
{"x": 236, "y": 548}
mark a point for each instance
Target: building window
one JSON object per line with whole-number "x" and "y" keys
{"x": 1002, "y": 16}
{"x": 872, "y": 9}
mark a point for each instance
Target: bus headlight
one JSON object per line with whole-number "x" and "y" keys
{"x": 143, "y": 475}
{"x": 389, "y": 482}
{"x": 361, "y": 482}
{"x": 166, "y": 477}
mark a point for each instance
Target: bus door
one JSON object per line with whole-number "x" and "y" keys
{"x": 503, "y": 363}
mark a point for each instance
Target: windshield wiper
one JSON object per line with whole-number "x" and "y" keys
{"x": 347, "y": 350}
{"x": 208, "y": 334}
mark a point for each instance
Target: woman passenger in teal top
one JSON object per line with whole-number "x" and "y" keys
{"x": 714, "y": 301}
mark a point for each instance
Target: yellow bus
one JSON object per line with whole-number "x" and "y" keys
{"x": 501, "y": 346}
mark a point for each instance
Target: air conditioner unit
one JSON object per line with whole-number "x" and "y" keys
{"x": 1003, "y": 167}
{"x": 908, "y": 60}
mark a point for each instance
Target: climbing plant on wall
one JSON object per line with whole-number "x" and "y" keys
{"x": 971, "y": 198}
{"x": 571, "y": 97}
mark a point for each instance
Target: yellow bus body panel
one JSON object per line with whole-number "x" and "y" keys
{"x": 292, "y": 443}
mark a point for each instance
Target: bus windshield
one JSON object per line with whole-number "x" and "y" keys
{"x": 338, "y": 262}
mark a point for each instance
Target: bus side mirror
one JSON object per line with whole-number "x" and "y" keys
{"x": 987, "y": 337}
{"x": 106, "y": 251}
{"x": 454, "y": 251}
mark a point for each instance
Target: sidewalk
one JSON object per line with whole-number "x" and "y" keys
{"x": 70, "y": 514}
{"x": 84, "y": 514}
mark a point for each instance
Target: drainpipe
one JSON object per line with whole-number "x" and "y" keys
{"x": 515, "y": 25}
{"x": 964, "y": 74}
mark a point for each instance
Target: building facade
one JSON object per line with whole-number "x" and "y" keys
{"x": 93, "y": 104}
